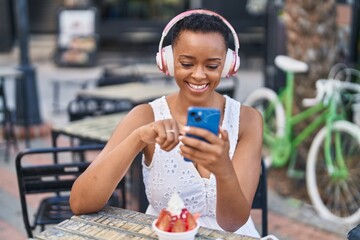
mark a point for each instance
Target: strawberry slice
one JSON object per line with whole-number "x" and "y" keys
{"x": 189, "y": 219}
{"x": 190, "y": 222}
{"x": 179, "y": 226}
{"x": 163, "y": 222}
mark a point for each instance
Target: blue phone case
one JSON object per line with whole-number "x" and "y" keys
{"x": 202, "y": 117}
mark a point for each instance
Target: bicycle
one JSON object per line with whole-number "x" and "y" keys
{"x": 333, "y": 161}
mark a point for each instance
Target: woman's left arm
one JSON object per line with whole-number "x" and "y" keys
{"x": 236, "y": 185}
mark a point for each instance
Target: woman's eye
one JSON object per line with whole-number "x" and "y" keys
{"x": 186, "y": 65}
{"x": 213, "y": 67}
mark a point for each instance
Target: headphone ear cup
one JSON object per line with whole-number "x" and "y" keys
{"x": 229, "y": 61}
{"x": 165, "y": 60}
{"x": 159, "y": 61}
{"x": 168, "y": 60}
{"x": 237, "y": 65}
{"x": 231, "y": 65}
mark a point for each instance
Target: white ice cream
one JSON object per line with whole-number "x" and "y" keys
{"x": 175, "y": 204}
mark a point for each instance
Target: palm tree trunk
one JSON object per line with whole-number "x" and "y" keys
{"x": 311, "y": 33}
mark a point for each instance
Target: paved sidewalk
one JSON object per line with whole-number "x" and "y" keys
{"x": 289, "y": 219}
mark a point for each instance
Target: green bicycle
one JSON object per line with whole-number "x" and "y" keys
{"x": 333, "y": 162}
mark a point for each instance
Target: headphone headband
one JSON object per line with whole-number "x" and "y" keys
{"x": 182, "y": 15}
{"x": 185, "y": 14}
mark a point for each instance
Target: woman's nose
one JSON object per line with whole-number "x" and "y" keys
{"x": 199, "y": 72}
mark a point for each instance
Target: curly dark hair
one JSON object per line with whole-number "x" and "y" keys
{"x": 203, "y": 23}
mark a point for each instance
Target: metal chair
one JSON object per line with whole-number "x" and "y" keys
{"x": 80, "y": 108}
{"x": 260, "y": 200}
{"x": 56, "y": 179}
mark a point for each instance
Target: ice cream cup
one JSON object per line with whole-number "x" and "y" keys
{"x": 163, "y": 235}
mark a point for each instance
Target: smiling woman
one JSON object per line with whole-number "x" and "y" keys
{"x": 220, "y": 181}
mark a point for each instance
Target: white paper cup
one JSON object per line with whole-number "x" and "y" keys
{"x": 189, "y": 235}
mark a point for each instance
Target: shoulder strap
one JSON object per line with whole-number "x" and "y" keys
{"x": 160, "y": 108}
{"x": 231, "y": 122}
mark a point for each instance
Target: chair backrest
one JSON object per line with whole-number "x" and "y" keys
{"x": 260, "y": 199}
{"x": 81, "y": 108}
{"x": 113, "y": 75}
{"x": 50, "y": 177}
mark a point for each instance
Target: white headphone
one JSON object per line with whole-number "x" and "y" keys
{"x": 165, "y": 56}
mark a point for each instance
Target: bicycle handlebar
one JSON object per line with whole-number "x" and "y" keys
{"x": 326, "y": 88}
{"x": 335, "y": 69}
{"x": 348, "y": 73}
{"x": 320, "y": 93}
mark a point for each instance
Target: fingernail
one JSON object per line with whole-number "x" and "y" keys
{"x": 180, "y": 137}
{"x": 186, "y": 128}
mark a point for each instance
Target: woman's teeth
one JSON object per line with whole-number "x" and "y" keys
{"x": 197, "y": 87}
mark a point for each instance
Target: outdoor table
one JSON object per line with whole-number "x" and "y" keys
{"x": 118, "y": 223}
{"x": 98, "y": 130}
{"x": 6, "y": 73}
{"x": 9, "y": 72}
{"x": 94, "y": 129}
{"x": 72, "y": 77}
{"x": 138, "y": 68}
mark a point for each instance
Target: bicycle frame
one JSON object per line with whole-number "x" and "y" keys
{"x": 341, "y": 171}
{"x": 326, "y": 115}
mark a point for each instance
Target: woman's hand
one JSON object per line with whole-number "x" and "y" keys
{"x": 163, "y": 132}
{"x": 212, "y": 155}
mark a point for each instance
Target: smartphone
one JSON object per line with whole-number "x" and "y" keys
{"x": 202, "y": 117}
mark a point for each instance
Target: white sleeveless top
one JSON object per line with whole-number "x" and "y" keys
{"x": 168, "y": 173}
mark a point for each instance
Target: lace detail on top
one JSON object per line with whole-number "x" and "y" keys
{"x": 168, "y": 172}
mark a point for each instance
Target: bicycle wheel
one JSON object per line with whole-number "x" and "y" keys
{"x": 335, "y": 198}
{"x": 268, "y": 104}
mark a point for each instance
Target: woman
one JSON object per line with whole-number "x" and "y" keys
{"x": 221, "y": 180}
